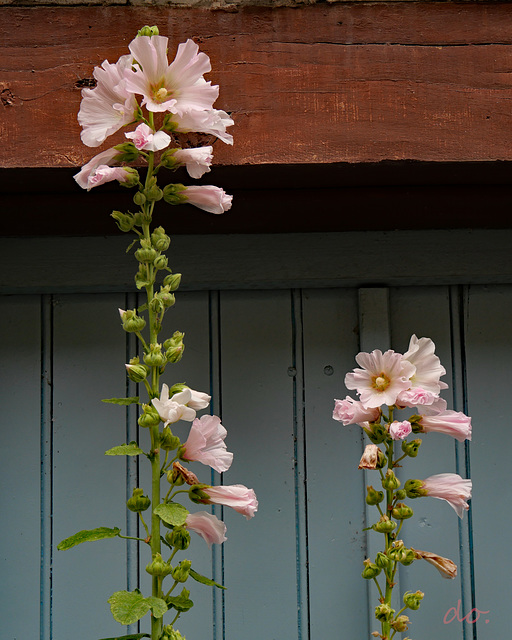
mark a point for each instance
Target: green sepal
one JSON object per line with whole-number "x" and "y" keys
{"x": 133, "y": 636}
{"x": 131, "y": 449}
{"x": 128, "y": 249}
{"x": 172, "y": 513}
{"x": 88, "y": 535}
{"x": 204, "y": 580}
{"x": 129, "y": 606}
{"x": 122, "y": 401}
{"x": 182, "y": 602}
{"x": 142, "y": 307}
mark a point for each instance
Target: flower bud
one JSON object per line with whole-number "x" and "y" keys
{"x": 390, "y": 481}
{"x": 160, "y": 240}
{"x": 137, "y": 372}
{"x": 376, "y": 432}
{"x": 153, "y": 192}
{"x": 155, "y": 357}
{"x": 167, "y": 298}
{"x": 197, "y": 495}
{"x": 128, "y": 152}
{"x": 149, "y": 416}
{"x": 169, "y": 633}
{"x": 381, "y": 560}
{"x": 373, "y": 496}
{"x": 384, "y": 525}
{"x": 146, "y": 255}
{"x": 124, "y": 221}
{"x": 131, "y": 179}
{"x": 182, "y": 571}
{"x": 175, "y": 193}
{"x": 131, "y": 321}
{"x": 408, "y": 557}
{"x": 139, "y": 198}
{"x": 174, "y": 347}
{"x": 179, "y": 538}
{"x": 138, "y": 502}
{"x": 384, "y": 613}
{"x": 402, "y": 511}
{"x": 148, "y": 31}
{"x": 411, "y": 448}
{"x": 158, "y": 567}
{"x": 400, "y": 494}
{"x": 400, "y": 624}
{"x": 413, "y": 600}
{"x": 370, "y": 570}
{"x": 168, "y": 441}
{"x": 414, "y": 489}
{"x": 172, "y": 281}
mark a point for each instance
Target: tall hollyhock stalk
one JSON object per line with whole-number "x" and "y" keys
{"x": 141, "y": 89}
{"x": 388, "y": 383}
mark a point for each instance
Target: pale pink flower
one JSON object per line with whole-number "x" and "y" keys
{"x": 107, "y": 157}
{"x": 350, "y": 411}
{"x": 173, "y": 409}
{"x": 400, "y": 430}
{"x": 103, "y": 174}
{"x": 428, "y": 366}
{"x": 236, "y": 496}
{"x": 453, "y": 423}
{"x": 381, "y": 379}
{"x": 177, "y": 87}
{"x": 438, "y": 406}
{"x": 205, "y": 444}
{"x": 213, "y": 121}
{"x": 196, "y": 160}
{"x": 109, "y": 106}
{"x": 451, "y": 488}
{"x": 209, "y": 198}
{"x": 199, "y": 400}
{"x": 208, "y": 526}
{"x": 145, "y": 139}
{"x": 415, "y": 396}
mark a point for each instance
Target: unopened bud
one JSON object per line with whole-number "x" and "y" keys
{"x": 160, "y": 240}
{"x": 384, "y": 525}
{"x": 155, "y": 357}
{"x": 139, "y": 198}
{"x": 413, "y": 600}
{"x": 124, "y": 221}
{"x": 179, "y": 538}
{"x": 158, "y": 567}
{"x": 131, "y": 321}
{"x": 146, "y": 255}
{"x": 381, "y": 560}
{"x": 137, "y": 372}
{"x": 172, "y": 281}
{"x": 128, "y": 152}
{"x": 138, "y": 502}
{"x": 182, "y": 571}
{"x": 373, "y": 496}
{"x": 411, "y": 448}
{"x": 370, "y": 570}
{"x": 149, "y": 416}
{"x": 402, "y": 511}
{"x": 148, "y": 31}
{"x": 400, "y": 624}
{"x": 384, "y": 613}
{"x": 390, "y": 481}
{"x": 376, "y": 432}
{"x": 168, "y": 441}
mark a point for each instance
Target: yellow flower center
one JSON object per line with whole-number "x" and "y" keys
{"x": 161, "y": 94}
{"x": 381, "y": 382}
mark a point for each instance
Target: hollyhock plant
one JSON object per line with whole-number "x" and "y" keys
{"x": 388, "y": 383}
{"x": 154, "y": 102}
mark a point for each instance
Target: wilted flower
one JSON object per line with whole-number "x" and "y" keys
{"x": 370, "y": 458}
{"x": 208, "y": 526}
{"x": 446, "y": 567}
{"x": 350, "y": 411}
{"x": 205, "y": 444}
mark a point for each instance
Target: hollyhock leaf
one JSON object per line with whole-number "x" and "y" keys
{"x": 122, "y": 401}
{"x": 157, "y": 606}
{"x": 181, "y": 602}
{"x": 172, "y": 513}
{"x": 131, "y": 449}
{"x": 128, "y": 606}
{"x": 204, "y": 580}
{"x": 88, "y": 535}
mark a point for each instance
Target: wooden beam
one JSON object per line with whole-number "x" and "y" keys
{"x": 324, "y": 83}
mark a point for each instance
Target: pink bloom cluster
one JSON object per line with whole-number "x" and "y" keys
{"x": 145, "y": 79}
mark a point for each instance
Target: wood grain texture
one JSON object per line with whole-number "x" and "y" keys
{"x": 320, "y": 84}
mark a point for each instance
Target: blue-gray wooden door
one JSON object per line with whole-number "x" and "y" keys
{"x": 274, "y": 360}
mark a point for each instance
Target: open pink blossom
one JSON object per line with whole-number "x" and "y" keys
{"x": 213, "y": 121}
{"x": 208, "y": 526}
{"x": 205, "y": 444}
{"x": 145, "y": 139}
{"x": 453, "y": 423}
{"x": 173, "y": 409}
{"x": 209, "y": 198}
{"x": 382, "y": 378}
{"x": 451, "y": 488}
{"x": 428, "y": 366}
{"x": 109, "y": 106}
{"x": 400, "y": 430}
{"x": 196, "y": 160}
{"x": 236, "y": 496}
{"x": 107, "y": 157}
{"x": 350, "y": 411}
{"x": 177, "y": 87}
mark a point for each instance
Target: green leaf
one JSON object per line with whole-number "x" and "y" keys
{"x": 172, "y": 513}
{"x": 204, "y": 580}
{"x": 128, "y": 607}
{"x": 123, "y": 401}
{"x": 88, "y": 535}
{"x": 133, "y": 636}
{"x": 131, "y": 449}
{"x": 181, "y": 602}
{"x": 158, "y": 606}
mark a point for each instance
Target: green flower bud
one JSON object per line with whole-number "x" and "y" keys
{"x": 128, "y": 152}
{"x": 402, "y": 511}
{"x": 168, "y": 299}
{"x": 153, "y": 192}
{"x": 174, "y": 347}
{"x": 414, "y": 489}
{"x": 174, "y": 194}
{"x": 370, "y": 570}
{"x": 131, "y": 321}
{"x": 411, "y": 448}
{"x": 384, "y": 525}
{"x": 390, "y": 481}
{"x": 160, "y": 240}
{"x": 400, "y": 494}
{"x": 131, "y": 179}
{"x": 373, "y": 496}
{"x": 158, "y": 567}
{"x": 400, "y": 624}
{"x": 408, "y": 557}
{"x": 139, "y": 198}
{"x": 168, "y": 441}
{"x": 197, "y": 495}
{"x": 167, "y": 159}
{"x": 376, "y": 432}
{"x": 124, "y": 221}
{"x": 168, "y": 633}
{"x": 137, "y": 372}
{"x": 182, "y": 571}
{"x": 138, "y": 502}
{"x": 381, "y": 560}
{"x": 179, "y": 538}
{"x": 156, "y": 305}
{"x": 142, "y": 277}
{"x": 146, "y": 255}
{"x": 148, "y": 31}
{"x": 384, "y": 613}
{"x": 413, "y": 600}
{"x": 397, "y": 552}
{"x": 155, "y": 357}
{"x": 172, "y": 281}
{"x": 149, "y": 416}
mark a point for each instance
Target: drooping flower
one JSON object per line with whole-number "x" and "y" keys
{"x": 196, "y": 160}
{"x": 446, "y": 567}
{"x": 208, "y": 197}
{"x": 109, "y": 106}
{"x": 104, "y": 173}
{"x": 416, "y": 396}
{"x": 212, "y": 121}
{"x": 199, "y": 400}
{"x": 208, "y": 526}
{"x": 205, "y": 444}
{"x": 173, "y": 409}
{"x": 177, "y": 87}
{"x": 445, "y": 486}
{"x": 350, "y": 411}
{"x": 382, "y": 378}
{"x": 236, "y": 496}
{"x": 400, "y": 430}
{"x": 428, "y": 366}
{"x": 453, "y": 423}
{"x": 107, "y": 157}
{"x": 145, "y": 139}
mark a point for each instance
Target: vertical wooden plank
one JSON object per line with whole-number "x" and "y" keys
{"x": 257, "y": 411}
{"x": 425, "y": 311}
{"x": 488, "y": 358}
{"x": 336, "y": 541}
{"x": 20, "y": 538}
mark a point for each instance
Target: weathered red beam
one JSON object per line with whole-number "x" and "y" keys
{"x": 317, "y": 84}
